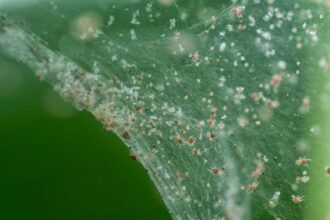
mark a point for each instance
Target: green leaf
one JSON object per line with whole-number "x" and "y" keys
{"x": 219, "y": 100}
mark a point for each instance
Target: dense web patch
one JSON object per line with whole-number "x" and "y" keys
{"x": 214, "y": 98}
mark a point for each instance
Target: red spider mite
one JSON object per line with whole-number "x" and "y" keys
{"x": 297, "y": 199}
{"x": 302, "y": 161}
{"x": 191, "y": 140}
{"x": 253, "y": 186}
{"x": 216, "y": 171}
{"x": 276, "y": 80}
{"x": 237, "y": 11}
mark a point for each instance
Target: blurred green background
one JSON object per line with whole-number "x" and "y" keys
{"x": 58, "y": 163}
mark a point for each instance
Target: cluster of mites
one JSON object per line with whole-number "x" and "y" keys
{"x": 210, "y": 135}
{"x": 275, "y": 83}
{"x": 301, "y": 161}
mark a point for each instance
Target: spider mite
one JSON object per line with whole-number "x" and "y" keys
{"x": 191, "y": 140}
{"x": 179, "y": 176}
{"x": 126, "y": 135}
{"x": 327, "y": 169}
{"x": 253, "y": 186}
{"x": 213, "y": 111}
{"x": 177, "y": 122}
{"x": 241, "y": 27}
{"x": 276, "y": 80}
{"x": 211, "y": 122}
{"x": 272, "y": 104}
{"x": 258, "y": 171}
{"x": 305, "y": 103}
{"x": 133, "y": 155}
{"x": 255, "y": 97}
{"x": 211, "y": 136}
{"x": 297, "y": 199}
{"x": 179, "y": 140}
{"x": 40, "y": 77}
{"x": 195, "y": 57}
{"x": 138, "y": 108}
{"x": 196, "y": 151}
{"x": 302, "y": 161}
{"x": 303, "y": 179}
{"x": 216, "y": 171}
{"x": 153, "y": 173}
{"x": 237, "y": 11}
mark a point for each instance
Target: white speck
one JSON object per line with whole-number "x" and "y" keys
{"x": 111, "y": 20}
{"x": 133, "y": 34}
{"x": 134, "y": 18}
{"x": 222, "y": 47}
{"x": 172, "y": 23}
{"x": 282, "y": 65}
